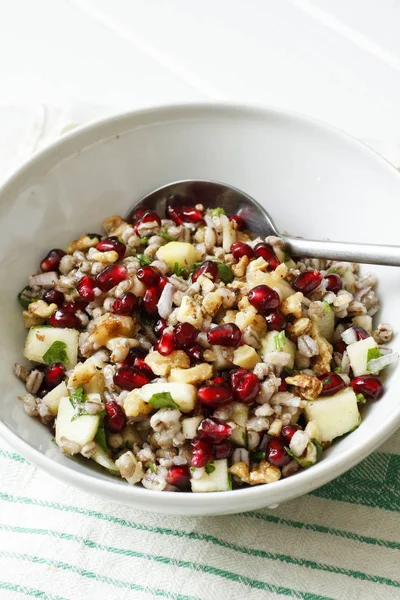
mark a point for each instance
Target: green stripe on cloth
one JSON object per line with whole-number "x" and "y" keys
{"x": 13, "y": 456}
{"x": 31, "y": 592}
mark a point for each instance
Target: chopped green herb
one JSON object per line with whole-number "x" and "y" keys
{"x": 288, "y": 372}
{"x": 229, "y": 480}
{"x": 25, "y": 298}
{"x": 78, "y": 399}
{"x": 143, "y": 260}
{"x": 153, "y": 467}
{"x": 216, "y": 212}
{"x": 279, "y": 340}
{"x": 163, "y": 400}
{"x": 327, "y": 306}
{"x": 287, "y": 256}
{"x": 144, "y": 241}
{"x": 225, "y": 273}
{"x": 57, "y": 352}
{"x": 162, "y": 233}
{"x": 100, "y": 437}
{"x": 210, "y": 467}
{"x": 373, "y": 353}
{"x": 338, "y": 369}
{"x": 333, "y": 270}
{"x": 53, "y": 439}
{"x": 180, "y": 271}
{"x": 361, "y": 398}
{"x": 192, "y": 469}
{"x": 121, "y": 240}
{"x": 318, "y": 447}
{"x": 257, "y": 456}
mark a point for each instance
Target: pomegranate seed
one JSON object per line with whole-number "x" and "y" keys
{"x": 222, "y": 450}
{"x": 51, "y": 261}
{"x": 220, "y": 381}
{"x": 159, "y": 327}
{"x": 201, "y": 453}
{"x": 143, "y": 366}
{"x": 225, "y": 335}
{"x": 264, "y": 298}
{"x": 64, "y": 318}
{"x": 360, "y": 332}
{"x": 340, "y": 347}
{"x": 130, "y": 378}
{"x": 369, "y": 386}
{"x": 86, "y": 287}
{"x": 150, "y": 216}
{"x": 275, "y": 320}
{"x": 162, "y": 283}
{"x": 214, "y": 394}
{"x": 148, "y": 276}
{"x": 334, "y": 283}
{"x": 115, "y": 419}
{"x": 54, "y": 374}
{"x": 185, "y": 335}
{"x": 247, "y": 388}
{"x": 133, "y": 355}
{"x": 288, "y": 432}
{"x": 214, "y": 430}
{"x": 307, "y": 282}
{"x": 276, "y": 453}
{"x": 283, "y": 386}
{"x": 138, "y": 214}
{"x": 239, "y": 221}
{"x": 268, "y": 254}
{"x": 166, "y": 344}
{"x": 209, "y": 267}
{"x": 53, "y": 296}
{"x": 191, "y": 214}
{"x": 239, "y": 249}
{"x": 178, "y": 476}
{"x": 235, "y": 375}
{"x": 196, "y": 353}
{"x": 110, "y": 277}
{"x": 150, "y": 300}
{"x": 125, "y": 304}
{"x": 173, "y": 212}
{"x": 332, "y": 383}
{"x": 73, "y": 307}
{"x": 112, "y": 243}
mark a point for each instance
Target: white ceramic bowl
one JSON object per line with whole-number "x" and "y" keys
{"x": 315, "y": 181}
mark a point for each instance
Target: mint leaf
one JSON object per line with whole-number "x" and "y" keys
{"x": 78, "y": 399}
{"x": 210, "y": 467}
{"x": 373, "y": 353}
{"x": 100, "y": 437}
{"x": 153, "y": 467}
{"x": 327, "y": 306}
{"x": 180, "y": 271}
{"x": 361, "y": 398}
{"x": 279, "y": 340}
{"x": 287, "y": 256}
{"x": 163, "y": 400}
{"x": 318, "y": 447}
{"x": 143, "y": 260}
{"x": 257, "y": 456}
{"x": 192, "y": 469}
{"x": 229, "y": 480}
{"x": 144, "y": 241}
{"x": 338, "y": 369}
{"x": 25, "y": 297}
{"x": 216, "y": 212}
{"x": 225, "y": 273}
{"x": 56, "y": 353}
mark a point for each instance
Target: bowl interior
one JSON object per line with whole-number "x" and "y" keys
{"x": 315, "y": 182}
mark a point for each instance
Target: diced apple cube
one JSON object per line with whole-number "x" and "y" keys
{"x": 268, "y": 344}
{"x": 52, "y": 399}
{"x": 80, "y": 430}
{"x": 182, "y": 254}
{"x": 246, "y": 357}
{"x": 334, "y": 415}
{"x": 189, "y": 427}
{"x": 40, "y": 339}
{"x": 184, "y": 394}
{"x": 216, "y": 481}
{"x": 104, "y": 460}
{"x": 358, "y": 355}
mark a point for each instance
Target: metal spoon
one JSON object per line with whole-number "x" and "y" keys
{"x": 235, "y": 202}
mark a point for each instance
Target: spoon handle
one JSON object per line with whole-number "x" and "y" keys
{"x": 374, "y": 254}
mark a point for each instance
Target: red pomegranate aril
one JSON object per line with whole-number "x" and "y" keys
{"x": 219, "y": 380}
{"x": 115, "y": 419}
{"x": 150, "y": 216}
{"x": 332, "y": 383}
{"x": 64, "y": 318}
{"x": 334, "y": 283}
{"x": 110, "y": 277}
{"x": 190, "y": 214}
{"x": 166, "y": 344}
{"x": 369, "y": 386}
{"x": 214, "y": 394}
{"x": 307, "y": 282}
{"x": 51, "y": 261}
{"x": 288, "y": 432}
{"x": 214, "y": 430}
{"x": 267, "y": 253}
{"x": 264, "y": 298}
{"x": 275, "y": 320}
{"x": 240, "y": 249}
{"x": 143, "y": 366}
{"x": 133, "y": 355}
{"x": 178, "y": 476}
{"x": 162, "y": 282}
{"x": 247, "y": 388}
{"x": 282, "y": 386}
{"x": 174, "y": 213}
{"x": 185, "y": 335}
{"x": 240, "y": 222}
{"x": 225, "y": 335}
{"x": 77, "y": 304}
{"x": 54, "y": 374}
{"x": 148, "y": 276}
{"x": 159, "y": 327}
{"x": 112, "y": 243}
{"x": 222, "y": 450}
{"x": 209, "y": 267}
{"x": 138, "y": 214}
{"x": 150, "y": 300}
{"x": 201, "y": 453}
{"x": 85, "y": 287}
{"x": 339, "y": 347}
{"x": 196, "y": 353}
{"x": 276, "y": 454}
{"x": 130, "y": 378}
{"x": 126, "y": 304}
{"x": 53, "y": 296}
{"x": 235, "y": 375}
{"x": 361, "y": 333}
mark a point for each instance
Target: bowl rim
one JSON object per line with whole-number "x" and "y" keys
{"x": 188, "y": 503}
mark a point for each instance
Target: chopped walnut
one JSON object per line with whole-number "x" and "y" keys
{"x": 322, "y": 362}
{"x": 292, "y": 305}
{"x": 299, "y": 327}
{"x": 135, "y": 406}
{"x": 42, "y": 309}
{"x": 307, "y": 386}
{"x": 239, "y": 270}
{"x": 241, "y": 470}
{"x": 108, "y": 257}
{"x": 162, "y": 365}
{"x": 264, "y": 473}
{"x": 83, "y": 243}
{"x": 212, "y": 302}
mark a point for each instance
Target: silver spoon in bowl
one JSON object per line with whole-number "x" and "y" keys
{"x": 235, "y": 202}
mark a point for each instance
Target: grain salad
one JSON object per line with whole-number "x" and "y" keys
{"x": 183, "y": 354}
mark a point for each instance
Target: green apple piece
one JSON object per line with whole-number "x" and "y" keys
{"x": 52, "y": 399}
{"x": 183, "y": 394}
{"x": 181, "y": 254}
{"x": 326, "y": 322}
{"x": 334, "y": 415}
{"x": 358, "y": 355}
{"x": 217, "y": 480}
{"x": 240, "y": 413}
{"x": 103, "y": 459}
{"x": 364, "y": 321}
{"x": 239, "y": 436}
{"x": 40, "y": 339}
{"x": 80, "y": 430}
{"x": 189, "y": 427}
{"x": 269, "y": 344}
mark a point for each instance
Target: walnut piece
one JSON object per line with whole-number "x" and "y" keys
{"x": 308, "y": 387}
